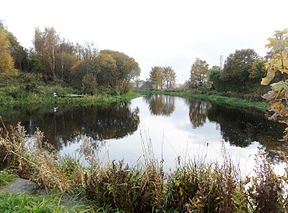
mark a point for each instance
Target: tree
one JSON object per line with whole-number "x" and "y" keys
{"x": 169, "y": 77}
{"x": 65, "y": 60}
{"x": 257, "y": 70}
{"x": 106, "y": 70}
{"x": 89, "y": 83}
{"x": 214, "y": 76}
{"x": 198, "y": 73}
{"x": 278, "y": 62}
{"x": 18, "y": 53}
{"x": 45, "y": 44}
{"x": 157, "y": 77}
{"x": 6, "y": 60}
{"x": 238, "y": 65}
{"x": 84, "y": 63}
{"x": 127, "y": 69}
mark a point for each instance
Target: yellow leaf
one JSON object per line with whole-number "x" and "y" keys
{"x": 268, "y": 78}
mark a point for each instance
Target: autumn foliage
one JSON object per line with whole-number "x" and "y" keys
{"x": 6, "y": 60}
{"x": 278, "y": 63}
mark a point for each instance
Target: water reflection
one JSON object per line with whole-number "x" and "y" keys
{"x": 98, "y": 122}
{"x": 161, "y": 104}
{"x": 243, "y": 131}
{"x": 198, "y": 111}
{"x": 240, "y": 128}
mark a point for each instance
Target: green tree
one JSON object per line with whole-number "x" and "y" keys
{"x": 89, "y": 83}
{"x": 257, "y": 70}
{"x": 106, "y": 70}
{"x": 238, "y": 65}
{"x": 84, "y": 63}
{"x": 199, "y": 72}
{"x": 169, "y": 76}
{"x": 35, "y": 64}
{"x": 157, "y": 77}
{"x": 65, "y": 60}
{"x": 278, "y": 62}
{"x": 214, "y": 76}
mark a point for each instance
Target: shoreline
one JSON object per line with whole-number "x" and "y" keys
{"x": 219, "y": 99}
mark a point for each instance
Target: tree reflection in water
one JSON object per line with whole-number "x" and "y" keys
{"x": 98, "y": 122}
{"x": 161, "y": 104}
{"x": 240, "y": 127}
{"x": 198, "y": 111}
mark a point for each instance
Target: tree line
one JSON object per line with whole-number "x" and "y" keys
{"x": 242, "y": 72}
{"x": 54, "y": 58}
{"x": 245, "y": 71}
{"x": 162, "y": 77}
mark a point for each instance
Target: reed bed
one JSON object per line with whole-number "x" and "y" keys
{"x": 193, "y": 187}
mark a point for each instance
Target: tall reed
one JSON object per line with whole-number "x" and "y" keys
{"x": 193, "y": 187}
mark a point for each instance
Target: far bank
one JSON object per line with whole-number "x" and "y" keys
{"x": 213, "y": 97}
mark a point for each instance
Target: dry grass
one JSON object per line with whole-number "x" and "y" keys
{"x": 193, "y": 187}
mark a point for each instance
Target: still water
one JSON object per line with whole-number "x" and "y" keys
{"x": 161, "y": 127}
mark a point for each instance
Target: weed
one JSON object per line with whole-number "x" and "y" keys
{"x": 193, "y": 187}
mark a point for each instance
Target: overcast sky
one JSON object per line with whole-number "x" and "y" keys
{"x": 154, "y": 32}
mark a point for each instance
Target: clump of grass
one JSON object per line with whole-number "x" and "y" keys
{"x": 193, "y": 187}
{"x": 123, "y": 187}
{"x": 267, "y": 190}
{"x": 6, "y": 177}
{"x": 204, "y": 188}
{"x": 28, "y": 203}
{"x": 128, "y": 189}
{"x": 33, "y": 162}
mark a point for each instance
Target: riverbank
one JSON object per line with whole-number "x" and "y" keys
{"x": 219, "y": 99}
{"x": 29, "y": 90}
{"x": 200, "y": 187}
{"x": 33, "y": 99}
{"x": 40, "y": 106}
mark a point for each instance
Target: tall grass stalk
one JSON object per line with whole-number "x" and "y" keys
{"x": 192, "y": 187}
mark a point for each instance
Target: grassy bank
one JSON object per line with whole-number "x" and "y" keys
{"x": 33, "y": 99}
{"x": 192, "y": 187}
{"x": 219, "y": 99}
{"x": 29, "y": 90}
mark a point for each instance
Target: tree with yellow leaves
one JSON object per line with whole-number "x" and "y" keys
{"x": 278, "y": 62}
{"x": 6, "y": 60}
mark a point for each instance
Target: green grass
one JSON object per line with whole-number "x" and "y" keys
{"x": 232, "y": 101}
{"x": 49, "y": 100}
{"x": 28, "y": 90}
{"x": 6, "y": 177}
{"x": 34, "y": 203}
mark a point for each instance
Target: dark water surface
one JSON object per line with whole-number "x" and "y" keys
{"x": 162, "y": 127}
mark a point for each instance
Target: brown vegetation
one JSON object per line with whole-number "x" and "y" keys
{"x": 194, "y": 187}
